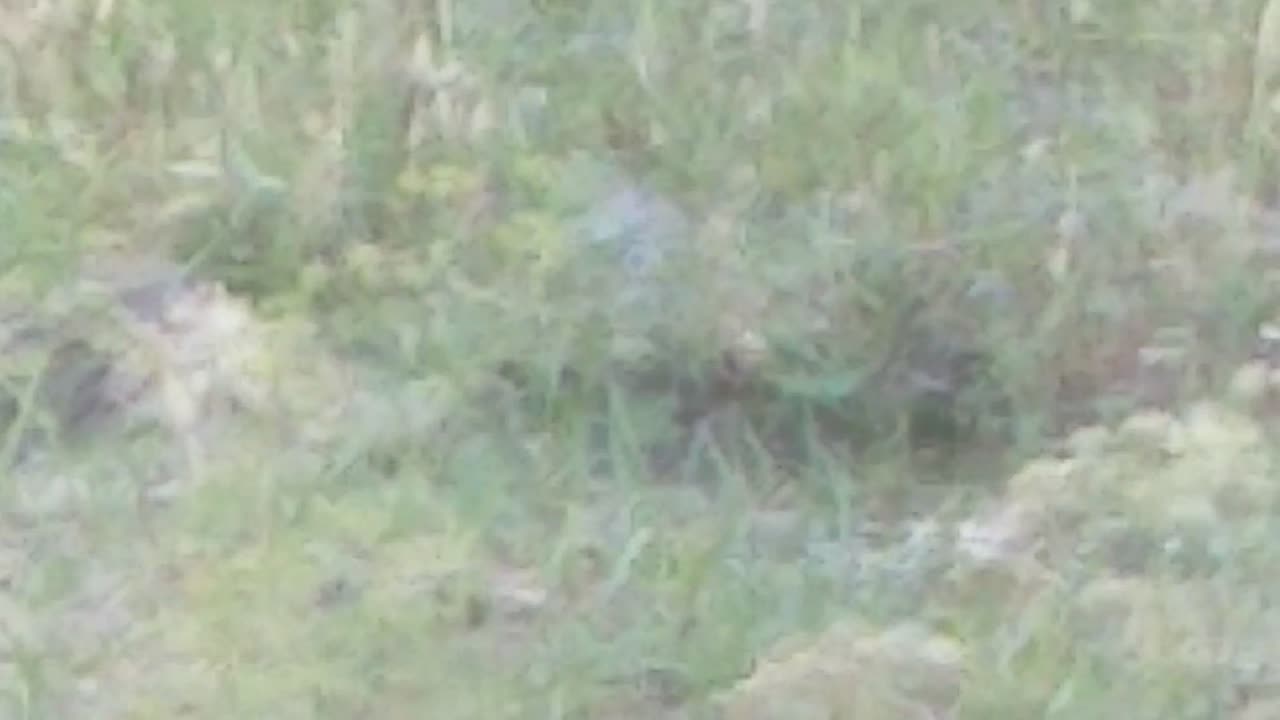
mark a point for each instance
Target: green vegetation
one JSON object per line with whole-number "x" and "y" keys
{"x": 568, "y": 359}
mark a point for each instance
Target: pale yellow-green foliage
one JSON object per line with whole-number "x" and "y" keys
{"x": 1266, "y": 63}
{"x": 1039, "y": 556}
{"x": 1204, "y": 469}
{"x": 853, "y": 670}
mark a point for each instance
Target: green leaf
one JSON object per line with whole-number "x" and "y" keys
{"x": 824, "y": 386}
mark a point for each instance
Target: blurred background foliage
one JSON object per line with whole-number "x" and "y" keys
{"x": 1059, "y": 191}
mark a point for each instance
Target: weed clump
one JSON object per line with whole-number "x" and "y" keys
{"x": 145, "y": 345}
{"x": 853, "y": 669}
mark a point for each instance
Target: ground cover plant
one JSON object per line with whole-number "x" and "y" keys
{"x": 572, "y": 359}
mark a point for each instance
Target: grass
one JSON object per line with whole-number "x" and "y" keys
{"x": 524, "y": 460}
